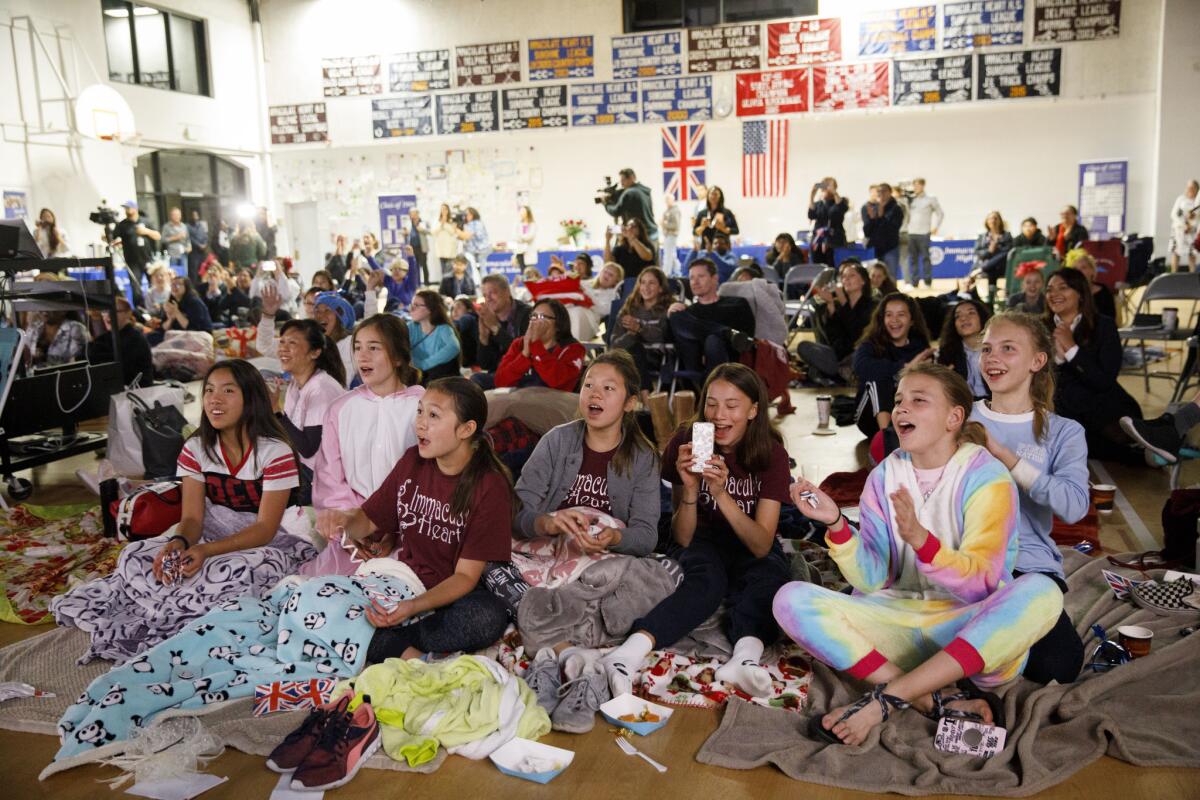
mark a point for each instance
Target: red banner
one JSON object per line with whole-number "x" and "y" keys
{"x": 783, "y": 91}
{"x": 804, "y": 41}
{"x": 841, "y": 87}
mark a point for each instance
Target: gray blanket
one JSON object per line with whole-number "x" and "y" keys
{"x": 48, "y": 662}
{"x": 1146, "y": 713}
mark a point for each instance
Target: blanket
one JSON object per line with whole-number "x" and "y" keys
{"x": 39, "y": 661}
{"x": 317, "y": 629}
{"x": 469, "y": 705}
{"x": 1143, "y": 712}
{"x": 44, "y": 551}
{"x": 553, "y": 561}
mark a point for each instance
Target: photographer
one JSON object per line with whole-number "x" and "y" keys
{"x": 630, "y": 248}
{"x": 882, "y": 218}
{"x": 713, "y": 219}
{"x": 51, "y": 239}
{"x": 131, "y": 236}
{"x": 632, "y": 201}
{"x": 827, "y": 210}
{"x": 474, "y": 237}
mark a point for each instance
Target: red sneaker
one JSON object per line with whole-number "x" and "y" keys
{"x": 345, "y": 745}
{"x": 291, "y": 752}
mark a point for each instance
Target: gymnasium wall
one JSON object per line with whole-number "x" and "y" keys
{"x": 1018, "y": 156}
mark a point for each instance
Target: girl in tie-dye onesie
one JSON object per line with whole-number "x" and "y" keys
{"x": 931, "y": 564}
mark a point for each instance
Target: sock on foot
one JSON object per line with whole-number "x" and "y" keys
{"x": 575, "y": 659}
{"x": 622, "y": 664}
{"x": 1186, "y": 418}
{"x": 743, "y": 669}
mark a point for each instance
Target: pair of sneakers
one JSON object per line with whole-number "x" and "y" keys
{"x": 572, "y": 705}
{"x": 329, "y": 747}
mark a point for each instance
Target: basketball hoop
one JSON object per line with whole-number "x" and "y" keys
{"x": 102, "y": 113}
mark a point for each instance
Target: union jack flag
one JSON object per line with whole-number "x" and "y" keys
{"x": 292, "y": 695}
{"x": 683, "y": 161}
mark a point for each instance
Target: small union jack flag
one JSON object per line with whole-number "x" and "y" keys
{"x": 292, "y": 695}
{"x": 683, "y": 161}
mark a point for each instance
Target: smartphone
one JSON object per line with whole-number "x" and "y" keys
{"x": 702, "y": 444}
{"x": 614, "y": 229}
{"x": 267, "y": 266}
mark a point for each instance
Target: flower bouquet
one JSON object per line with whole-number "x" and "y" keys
{"x": 573, "y": 231}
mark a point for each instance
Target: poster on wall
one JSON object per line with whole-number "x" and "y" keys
{"x": 804, "y": 41}
{"x": 782, "y": 91}
{"x": 16, "y": 204}
{"x": 562, "y": 57}
{"x": 1076, "y": 20}
{"x": 613, "y": 103}
{"x": 724, "y": 48}
{"x": 488, "y": 64}
{"x": 393, "y": 211}
{"x": 647, "y": 55}
{"x": 926, "y": 81}
{"x": 896, "y": 31}
{"x": 396, "y": 117}
{"x": 677, "y": 99}
{"x": 419, "y": 71}
{"x": 1102, "y": 189}
{"x": 534, "y": 107}
{"x": 467, "y": 112}
{"x": 298, "y": 124}
{"x": 983, "y": 23}
{"x": 842, "y": 87}
{"x": 1024, "y": 73}
{"x": 351, "y": 76}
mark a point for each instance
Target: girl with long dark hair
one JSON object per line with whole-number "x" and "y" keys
{"x": 714, "y": 218}
{"x": 895, "y": 338}
{"x": 436, "y": 349}
{"x": 723, "y": 531}
{"x": 239, "y": 473}
{"x": 961, "y": 341}
{"x": 445, "y": 511}
{"x": 547, "y": 355}
{"x": 642, "y": 320}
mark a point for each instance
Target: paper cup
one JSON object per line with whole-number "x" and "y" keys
{"x": 1102, "y": 496}
{"x": 824, "y": 410}
{"x": 1135, "y": 639}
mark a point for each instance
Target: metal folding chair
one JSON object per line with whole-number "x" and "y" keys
{"x": 1177, "y": 287}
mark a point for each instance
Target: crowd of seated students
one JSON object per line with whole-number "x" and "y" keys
{"x": 988, "y": 431}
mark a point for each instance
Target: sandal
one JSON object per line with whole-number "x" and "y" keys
{"x": 969, "y": 691}
{"x": 886, "y": 702}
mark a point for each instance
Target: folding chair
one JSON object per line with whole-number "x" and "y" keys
{"x": 1176, "y": 287}
{"x": 12, "y": 348}
{"x": 1018, "y": 256}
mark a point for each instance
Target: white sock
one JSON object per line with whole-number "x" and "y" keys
{"x": 575, "y": 659}
{"x": 743, "y": 669}
{"x": 623, "y": 664}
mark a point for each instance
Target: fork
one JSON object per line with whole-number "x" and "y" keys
{"x": 629, "y": 750}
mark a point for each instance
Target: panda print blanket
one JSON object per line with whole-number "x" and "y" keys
{"x": 315, "y": 629}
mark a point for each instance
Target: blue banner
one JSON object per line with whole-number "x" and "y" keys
{"x": 647, "y": 55}
{"x": 895, "y": 31}
{"x": 952, "y": 258}
{"x": 393, "y": 213}
{"x": 562, "y": 57}
{"x": 1102, "y": 189}
{"x": 605, "y": 104}
{"x": 983, "y": 23}
{"x": 677, "y": 99}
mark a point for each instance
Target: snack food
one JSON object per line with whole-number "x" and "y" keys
{"x": 646, "y": 716}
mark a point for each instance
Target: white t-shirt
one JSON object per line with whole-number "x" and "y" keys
{"x": 268, "y": 466}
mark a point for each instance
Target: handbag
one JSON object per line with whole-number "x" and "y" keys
{"x": 160, "y": 429}
{"x": 125, "y": 440}
{"x": 148, "y": 511}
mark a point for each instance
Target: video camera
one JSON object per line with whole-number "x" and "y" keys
{"x": 107, "y": 217}
{"x": 607, "y": 193}
{"x": 458, "y": 217}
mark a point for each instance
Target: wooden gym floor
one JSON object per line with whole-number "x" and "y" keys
{"x": 600, "y": 769}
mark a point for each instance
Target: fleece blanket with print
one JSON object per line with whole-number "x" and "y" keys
{"x": 317, "y": 629}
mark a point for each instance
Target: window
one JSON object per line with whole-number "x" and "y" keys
{"x": 191, "y": 180}
{"x": 648, "y": 15}
{"x": 152, "y": 47}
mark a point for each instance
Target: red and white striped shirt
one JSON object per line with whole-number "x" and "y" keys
{"x": 268, "y": 466}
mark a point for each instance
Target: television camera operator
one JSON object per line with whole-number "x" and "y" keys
{"x": 629, "y": 200}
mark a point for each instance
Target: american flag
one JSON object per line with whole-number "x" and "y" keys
{"x": 683, "y": 161}
{"x": 292, "y": 695}
{"x": 764, "y": 158}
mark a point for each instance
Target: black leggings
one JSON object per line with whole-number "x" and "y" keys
{"x": 715, "y": 572}
{"x": 470, "y": 623}
{"x": 1057, "y": 656}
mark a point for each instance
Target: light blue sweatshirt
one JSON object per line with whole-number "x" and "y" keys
{"x": 1052, "y": 478}
{"x": 436, "y": 348}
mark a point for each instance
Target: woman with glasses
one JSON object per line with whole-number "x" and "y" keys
{"x": 547, "y": 355}
{"x": 436, "y": 350}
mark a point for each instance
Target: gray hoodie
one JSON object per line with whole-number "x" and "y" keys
{"x": 548, "y": 475}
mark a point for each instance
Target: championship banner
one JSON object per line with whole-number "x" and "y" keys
{"x": 843, "y": 87}
{"x": 613, "y": 103}
{"x": 488, "y": 64}
{"x": 783, "y": 91}
{"x": 1076, "y": 20}
{"x": 677, "y": 99}
{"x": 896, "y": 31}
{"x": 647, "y": 55}
{"x": 1024, "y": 73}
{"x": 562, "y": 57}
{"x": 804, "y": 41}
{"x": 983, "y": 23}
{"x": 929, "y": 81}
